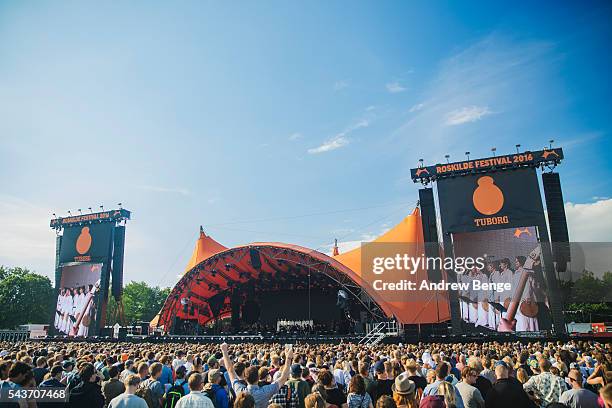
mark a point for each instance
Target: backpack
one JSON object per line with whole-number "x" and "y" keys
{"x": 174, "y": 394}
{"x": 287, "y": 397}
{"x": 144, "y": 392}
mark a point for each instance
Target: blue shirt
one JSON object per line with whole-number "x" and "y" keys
{"x": 432, "y": 389}
{"x": 166, "y": 375}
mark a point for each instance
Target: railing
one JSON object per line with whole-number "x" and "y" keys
{"x": 14, "y": 335}
{"x": 379, "y": 332}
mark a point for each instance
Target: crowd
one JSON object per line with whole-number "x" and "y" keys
{"x": 575, "y": 374}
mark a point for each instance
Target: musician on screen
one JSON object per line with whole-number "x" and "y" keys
{"x": 526, "y": 315}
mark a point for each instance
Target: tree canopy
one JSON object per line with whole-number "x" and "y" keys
{"x": 25, "y": 297}
{"x": 141, "y": 302}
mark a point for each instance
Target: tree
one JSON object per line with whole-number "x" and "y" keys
{"x": 25, "y": 297}
{"x": 141, "y": 302}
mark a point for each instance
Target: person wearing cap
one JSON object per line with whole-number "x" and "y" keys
{"x": 578, "y": 397}
{"x": 181, "y": 379}
{"x": 214, "y": 391}
{"x": 469, "y": 393}
{"x": 128, "y": 369}
{"x": 442, "y": 371}
{"x": 295, "y": 382}
{"x": 404, "y": 391}
{"x": 381, "y": 385}
{"x": 507, "y": 392}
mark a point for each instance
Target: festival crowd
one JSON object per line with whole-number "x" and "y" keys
{"x": 576, "y": 374}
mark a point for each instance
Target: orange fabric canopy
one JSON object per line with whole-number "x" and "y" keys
{"x": 205, "y": 248}
{"x": 408, "y": 231}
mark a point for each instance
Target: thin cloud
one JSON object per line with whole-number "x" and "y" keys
{"x": 417, "y": 107}
{"x": 340, "y": 85}
{"x": 161, "y": 189}
{"x": 466, "y": 115}
{"x": 295, "y": 136}
{"x": 339, "y": 140}
{"x": 395, "y": 87}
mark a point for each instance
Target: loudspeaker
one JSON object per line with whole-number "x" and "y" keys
{"x": 216, "y": 304}
{"x": 235, "y": 302}
{"x": 58, "y": 269}
{"x": 559, "y": 236}
{"x": 250, "y": 312}
{"x": 430, "y": 232}
{"x": 255, "y": 258}
{"x": 117, "y": 273}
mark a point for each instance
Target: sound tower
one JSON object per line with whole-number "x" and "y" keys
{"x": 557, "y": 222}
{"x": 117, "y": 271}
{"x": 430, "y": 231}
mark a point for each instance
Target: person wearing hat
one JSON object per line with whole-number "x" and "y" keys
{"x": 404, "y": 391}
{"x": 295, "y": 382}
{"x": 213, "y": 389}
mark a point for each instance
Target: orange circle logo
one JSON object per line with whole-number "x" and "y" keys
{"x": 83, "y": 242}
{"x": 488, "y": 198}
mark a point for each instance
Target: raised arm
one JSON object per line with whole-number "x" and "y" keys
{"x": 287, "y": 367}
{"x": 229, "y": 364}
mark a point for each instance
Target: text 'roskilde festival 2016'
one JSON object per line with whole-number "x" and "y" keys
{"x": 410, "y": 265}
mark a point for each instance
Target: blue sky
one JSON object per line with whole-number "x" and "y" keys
{"x": 284, "y": 121}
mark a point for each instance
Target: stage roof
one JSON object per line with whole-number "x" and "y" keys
{"x": 207, "y": 273}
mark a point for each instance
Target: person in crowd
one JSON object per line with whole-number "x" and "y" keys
{"x": 143, "y": 371}
{"x": 507, "y": 392}
{"x": 482, "y": 383}
{"x": 155, "y": 387}
{"x": 181, "y": 380}
{"x": 297, "y": 384}
{"x": 127, "y": 370}
{"x": 215, "y": 391}
{"x": 87, "y": 393}
{"x": 261, "y": 394}
{"x": 606, "y": 396}
{"x": 129, "y": 399}
{"x": 577, "y": 396}
{"x": 442, "y": 372}
{"x": 357, "y": 396}
{"x": 112, "y": 387}
{"x": 244, "y": 400}
{"x": 196, "y": 398}
{"x": 521, "y": 375}
{"x": 54, "y": 379}
{"x": 447, "y": 390}
{"x": 40, "y": 370}
{"x": 381, "y": 385}
{"x": 314, "y": 400}
{"x": 405, "y": 391}
{"x": 335, "y": 395}
{"x": 546, "y": 387}
{"x": 469, "y": 393}
{"x": 166, "y": 375}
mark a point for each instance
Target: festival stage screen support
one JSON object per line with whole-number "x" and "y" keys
{"x": 513, "y": 263}
{"x": 78, "y": 300}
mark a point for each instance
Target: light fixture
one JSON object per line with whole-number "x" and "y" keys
{"x": 518, "y": 146}
{"x": 447, "y": 156}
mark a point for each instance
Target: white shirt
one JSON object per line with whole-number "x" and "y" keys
{"x": 195, "y": 399}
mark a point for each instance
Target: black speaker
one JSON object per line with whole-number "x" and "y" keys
{"x": 559, "y": 236}
{"x": 250, "y": 312}
{"x": 255, "y": 258}
{"x": 58, "y": 269}
{"x": 430, "y": 232}
{"x": 216, "y": 304}
{"x": 235, "y": 303}
{"x": 117, "y": 273}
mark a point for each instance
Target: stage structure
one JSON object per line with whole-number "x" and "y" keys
{"x": 89, "y": 250}
{"x": 259, "y": 284}
{"x": 492, "y": 208}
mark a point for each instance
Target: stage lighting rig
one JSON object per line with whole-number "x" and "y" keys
{"x": 447, "y": 156}
{"x": 518, "y": 147}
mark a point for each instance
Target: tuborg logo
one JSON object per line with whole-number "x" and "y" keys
{"x": 488, "y": 199}
{"x": 83, "y": 242}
